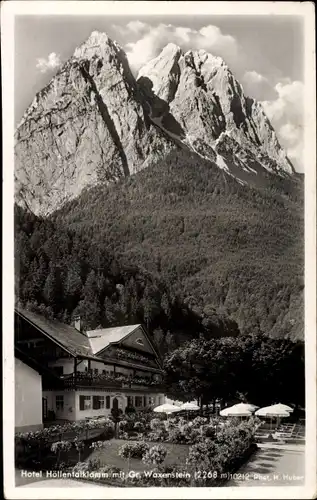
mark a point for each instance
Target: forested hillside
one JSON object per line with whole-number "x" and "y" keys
{"x": 64, "y": 272}
{"x": 227, "y": 250}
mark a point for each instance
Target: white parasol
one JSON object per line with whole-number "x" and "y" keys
{"x": 166, "y": 408}
{"x": 189, "y": 407}
{"x": 280, "y": 406}
{"x": 245, "y": 406}
{"x": 273, "y": 411}
{"x": 235, "y": 411}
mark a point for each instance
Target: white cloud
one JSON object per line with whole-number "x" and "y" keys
{"x": 52, "y": 62}
{"x": 286, "y": 115}
{"x": 257, "y": 85}
{"x": 289, "y": 99}
{"x": 137, "y": 26}
{"x": 254, "y": 77}
{"x": 154, "y": 38}
{"x": 290, "y": 132}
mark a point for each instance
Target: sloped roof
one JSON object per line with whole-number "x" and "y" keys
{"x": 34, "y": 363}
{"x": 100, "y": 339}
{"x": 87, "y": 344}
{"x": 75, "y": 342}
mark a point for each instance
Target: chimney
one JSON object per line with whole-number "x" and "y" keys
{"x": 77, "y": 323}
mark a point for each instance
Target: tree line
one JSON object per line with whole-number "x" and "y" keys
{"x": 236, "y": 250}
{"x": 253, "y": 368}
{"x": 61, "y": 273}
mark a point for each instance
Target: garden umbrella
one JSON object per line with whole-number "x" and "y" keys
{"x": 190, "y": 407}
{"x": 280, "y": 406}
{"x": 245, "y": 406}
{"x": 235, "y": 411}
{"x": 273, "y": 411}
{"x": 166, "y": 408}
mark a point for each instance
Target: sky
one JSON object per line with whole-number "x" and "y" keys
{"x": 265, "y": 53}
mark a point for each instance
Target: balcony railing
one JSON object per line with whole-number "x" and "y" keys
{"x": 102, "y": 380}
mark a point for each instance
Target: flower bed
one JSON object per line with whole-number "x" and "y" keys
{"x": 59, "y": 431}
{"x": 34, "y": 449}
{"x": 179, "y": 453}
{"x": 216, "y": 449}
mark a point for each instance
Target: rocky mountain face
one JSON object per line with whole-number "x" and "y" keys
{"x": 95, "y": 123}
{"x": 88, "y": 126}
{"x": 211, "y": 110}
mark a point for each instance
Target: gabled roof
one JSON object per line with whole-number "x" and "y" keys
{"x": 100, "y": 339}
{"x": 73, "y": 341}
{"x": 78, "y": 344}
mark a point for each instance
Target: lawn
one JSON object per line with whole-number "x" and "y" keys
{"x": 176, "y": 456}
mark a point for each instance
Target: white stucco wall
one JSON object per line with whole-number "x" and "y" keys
{"x": 71, "y": 402}
{"x": 68, "y": 413}
{"x": 28, "y": 398}
{"x": 82, "y": 414}
{"x": 122, "y": 402}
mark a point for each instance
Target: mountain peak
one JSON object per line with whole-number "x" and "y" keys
{"x": 203, "y": 56}
{"x": 171, "y": 48}
{"x": 98, "y": 43}
{"x": 206, "y": 100}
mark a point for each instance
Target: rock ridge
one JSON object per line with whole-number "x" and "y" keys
{"x": 96, "y": 123}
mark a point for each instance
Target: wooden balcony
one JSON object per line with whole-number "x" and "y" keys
{"x": 78, "y": 380}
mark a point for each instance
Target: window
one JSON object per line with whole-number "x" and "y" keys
{"x": 104, "y": 372}
{"x": 130, "y": 401}
{"x": 151, "y": 401}
{"x": 138, "y": 401}
{"x": 144, "y": 401}
{"x": 107, "y": 402}
{"x": 84, "y": 402}
{"x": 96, "y": 371}
{"x": 98, "y": 402}
{"x": 60, "y": 403}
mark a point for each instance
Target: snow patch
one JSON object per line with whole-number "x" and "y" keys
{"x": 221, "y": 163}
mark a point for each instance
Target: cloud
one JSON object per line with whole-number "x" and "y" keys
{"x": 52, "y": 62}
{"x": 154, "y": 38}
{"x": 286, "y": 115}
{"x": 137, "y": 26}
{"x": 254, "y": 77}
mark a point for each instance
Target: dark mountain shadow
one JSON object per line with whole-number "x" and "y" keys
{"x": 159, "y": 109}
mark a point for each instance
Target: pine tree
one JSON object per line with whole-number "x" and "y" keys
{"x": 73, "y": 286}
{"x": 53, "y": 288}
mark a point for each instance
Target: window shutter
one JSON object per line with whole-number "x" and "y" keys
{"x": 95, "y": 402}
{"x": 81, "y": 402}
